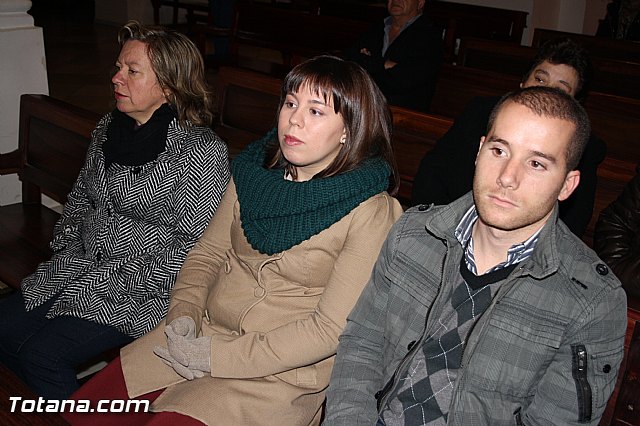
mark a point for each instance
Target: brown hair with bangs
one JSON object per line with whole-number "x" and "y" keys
{"x": 361, "y": 105}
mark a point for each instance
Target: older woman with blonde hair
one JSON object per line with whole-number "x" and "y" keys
{"x": 153, "y": 177}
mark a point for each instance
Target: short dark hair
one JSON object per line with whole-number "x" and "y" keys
{"x": 179, "y": 68}
{"x": 565, "y": 51}
{"x": 553, "y": 103}
{"x": 361, "y": 104}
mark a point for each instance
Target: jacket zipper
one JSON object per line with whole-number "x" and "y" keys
{"x": 518, "y": 416}
{"x": 579, "y": 370}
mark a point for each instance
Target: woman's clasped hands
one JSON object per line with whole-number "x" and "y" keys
{"x": 188, "y": 355}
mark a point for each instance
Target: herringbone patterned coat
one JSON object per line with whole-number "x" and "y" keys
{"x": 126, "y": 231}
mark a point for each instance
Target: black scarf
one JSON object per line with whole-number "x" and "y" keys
{"x": 131, "y": 145}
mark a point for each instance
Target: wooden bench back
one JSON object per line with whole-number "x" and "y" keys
{"x": 615, "y": 77}
{"x": 495, "y": 55}
{"x": 53, "y": 141}
{"x": 247, "y": 106}
{"x": 457, "y": 85}
{"x": 414, "y": 134}
{"x": 599, "y": 47}
{"x": 292, "y": 33}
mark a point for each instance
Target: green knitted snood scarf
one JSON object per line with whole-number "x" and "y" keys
{"x": 278, "y": 214}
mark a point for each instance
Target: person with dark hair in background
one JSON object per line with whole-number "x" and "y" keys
{"x": 403, "y": 54}
{"x": 446, "y": 172}
{"x": 617, "y": 236}
{"x": 259, "y": 304}
{"x": 154, "y": 175}
{"x": 489, "y": 311}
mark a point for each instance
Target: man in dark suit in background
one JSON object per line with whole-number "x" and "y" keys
{"x": 403, "y": 54}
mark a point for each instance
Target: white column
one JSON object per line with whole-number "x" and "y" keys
{"x": 22, "y": 70}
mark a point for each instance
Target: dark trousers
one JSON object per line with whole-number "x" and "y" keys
{"x": 45, "y": 353}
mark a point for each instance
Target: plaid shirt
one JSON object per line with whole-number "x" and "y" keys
{"x": 520, "y": 357}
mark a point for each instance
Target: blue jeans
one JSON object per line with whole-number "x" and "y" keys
{"x": 45, "y": 353}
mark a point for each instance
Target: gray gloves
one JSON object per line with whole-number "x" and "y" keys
{"x": 188, "y": 355}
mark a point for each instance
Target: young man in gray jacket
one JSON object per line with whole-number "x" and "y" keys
{"x": 489, "y": 311}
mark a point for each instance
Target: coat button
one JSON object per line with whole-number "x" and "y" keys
{"x": 93, "y": 204}
{"x": 259, "y": 292}
{"x": 410, "y": 345}
{"x": 98, "y": 256}
{"x": 136, "y": 170}
{"x": 227, "y": 267}
{"x": 602, "y": 269}
{"x": 423, "y": 207}
{"x": 606, "y": 368}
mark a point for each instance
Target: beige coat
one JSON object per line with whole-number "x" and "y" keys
{"x": 274, "y": 320}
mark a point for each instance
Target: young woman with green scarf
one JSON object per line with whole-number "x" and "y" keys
{"x": 257, "y": 309}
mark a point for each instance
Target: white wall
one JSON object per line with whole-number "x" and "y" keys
{"x": 23, "y": 70}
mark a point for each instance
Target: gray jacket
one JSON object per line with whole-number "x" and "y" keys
{"x": 126, "y": 230}
{"x": 546, "y": 351}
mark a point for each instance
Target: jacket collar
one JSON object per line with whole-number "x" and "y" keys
{"x": 544, "y": 260}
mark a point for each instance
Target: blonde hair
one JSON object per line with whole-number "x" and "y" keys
{"x": 179, "y": 69}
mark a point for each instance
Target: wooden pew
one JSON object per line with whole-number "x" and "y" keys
{"x": 294, "y": 34}
{"x": 53, "y": 140}
{"x": 623, "y": 405}
{"x": 610, "y": 76}
{"x": 195, "y": 9}
{"x": 247, "y": 109}
{"x": 247, "y": 106}
{"x": 495, "y": 55}
{"x": 599, "y": 47}
{"x": 457, "y": 85}
{"x": 414, "y": 134}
